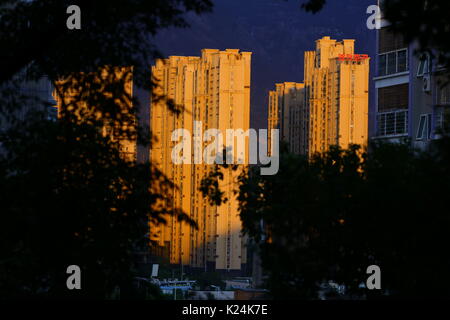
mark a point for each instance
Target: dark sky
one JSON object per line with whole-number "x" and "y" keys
{"x": 277, "y": 32}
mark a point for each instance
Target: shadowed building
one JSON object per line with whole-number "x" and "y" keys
{"x": 32, "y": 95}
{"x": 112, "y": 86}
{"x": 412, "y": 99}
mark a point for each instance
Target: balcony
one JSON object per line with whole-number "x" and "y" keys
{"x": 392, "y": 124}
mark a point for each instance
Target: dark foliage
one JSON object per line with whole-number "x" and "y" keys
{"x": 314, "y": 6}
{"x": 68, "y": 194}
{"x": 68, "y": 197}
{"x": 332, "y": 217}
{"x": 116, "y": 32}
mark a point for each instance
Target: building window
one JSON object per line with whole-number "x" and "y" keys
{"x": 392, "y": 53}
{"x": 382, "y": 65}
{"x": 424, "y": 130}
{"x": 402, "y": 60}
{"x": 389, "y": 41}
{"x": 424, "y": 65}
{"x": 392, "y": 123}
{"x": 393, "y": 97}
{"x": 392, "y": 62}
{"x": 443, "y": 95}
{"x": 442, "y": 120}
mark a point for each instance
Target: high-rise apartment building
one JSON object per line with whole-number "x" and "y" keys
{"x": 337, "y": 92}
{"x": 214, "y": 93}
{"x": 286, "y": 107}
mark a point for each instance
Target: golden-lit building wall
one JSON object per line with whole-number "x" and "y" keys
{"x": 337, "y": 94}
{"x": 214, "y": 89}
{"x": 233, "y": 102}
{"x": 286, "y": 105}
{"x": 176, "y": 85}
{"x": 354, "y": 107}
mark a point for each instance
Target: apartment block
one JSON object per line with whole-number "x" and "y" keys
{"x": 412, "y": 99}
{"x": 213, "y": 92}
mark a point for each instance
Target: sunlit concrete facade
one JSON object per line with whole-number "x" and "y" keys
{"x": 286, "y": 107}
{"x": 213, "y": 89}
{"x": 337, "y": 93}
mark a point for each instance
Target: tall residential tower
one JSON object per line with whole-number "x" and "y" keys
{"x": 330, "y": 107}
{"x": 214, "y": 93}
{"x": 337, "y": 96}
